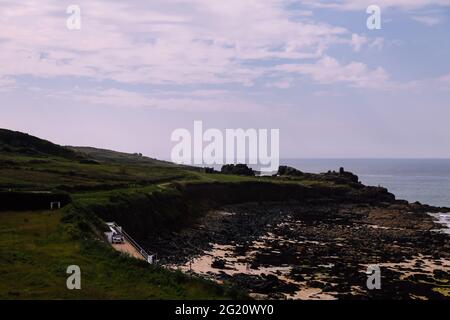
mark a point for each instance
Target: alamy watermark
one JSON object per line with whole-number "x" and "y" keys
{"x": 73, "y": 22}
{"x": 214, "y": 147}
{"x": 374, "y": 20}
{"x": 373, "y": 277}
{"x": 73, "y": 282}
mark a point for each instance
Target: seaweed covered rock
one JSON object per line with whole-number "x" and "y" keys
{"x": 218, "y": 264}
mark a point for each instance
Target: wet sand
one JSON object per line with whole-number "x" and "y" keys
{"x": 317, "y": 252}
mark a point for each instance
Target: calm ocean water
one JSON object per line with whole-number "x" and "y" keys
{"x": 424, "y": 180}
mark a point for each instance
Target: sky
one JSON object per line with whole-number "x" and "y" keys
{"x": 137, "y": 70}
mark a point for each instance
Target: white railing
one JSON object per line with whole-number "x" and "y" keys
{"x": 150, "y": 258}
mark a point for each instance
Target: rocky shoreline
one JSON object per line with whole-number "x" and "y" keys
{"x": 294, "y": 250}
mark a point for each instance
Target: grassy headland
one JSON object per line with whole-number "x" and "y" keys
{"x": 142, "y": 194}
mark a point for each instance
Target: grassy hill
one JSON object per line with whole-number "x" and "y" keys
{"x": 32, "y": 164}
{"x": 111, "y": 156}
{"x": 37, "y": 246}
{"x": 144, "y": 193}
{"x": 22, "y": 143}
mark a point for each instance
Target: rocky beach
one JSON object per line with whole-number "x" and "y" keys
{"x": 318, "y": 249}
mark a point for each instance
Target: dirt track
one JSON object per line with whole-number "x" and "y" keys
{"x": 127, "y": 248}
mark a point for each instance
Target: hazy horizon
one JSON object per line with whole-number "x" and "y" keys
{"x": 281, "y": 159}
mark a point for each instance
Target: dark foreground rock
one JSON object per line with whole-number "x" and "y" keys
{"x": 320, "y": 251}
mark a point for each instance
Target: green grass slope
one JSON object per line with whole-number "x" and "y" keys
{"x": 32, "y": 164}
{"x": 35, "y": 251}
{"x": 111, "y": 156}
{"x": 14, "y": 141}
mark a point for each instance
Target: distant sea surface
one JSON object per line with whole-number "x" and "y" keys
{"x": 424, "y": 180}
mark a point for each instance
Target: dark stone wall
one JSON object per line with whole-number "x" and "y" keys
{"x": 15, "y": 201}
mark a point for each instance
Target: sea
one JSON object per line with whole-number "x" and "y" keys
{"x": 423, "y": 180}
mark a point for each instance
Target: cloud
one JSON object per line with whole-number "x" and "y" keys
{"x": 444, "y": 82}
{"x": 197, "y": 101}
{"x": 177, "y": 44}
{"x": 429, "y": 21}
{"x": 358, "y": 41}
{"x": 445, "y": 78}
{"x": 6, "y": 83}
{"x": 352, "y": 5}
{"x": 281, "y": 84}
{"x": 158, "y": 42}
{"x": 328, "y": 71}
{"x": 378, "y": 43}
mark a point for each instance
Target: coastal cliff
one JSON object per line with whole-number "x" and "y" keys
{"x": 293, "y": 235}
{"x": 182, "y": 203}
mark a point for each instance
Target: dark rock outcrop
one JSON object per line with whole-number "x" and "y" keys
{"x": 289, "y": 171}
{"x": 238, "y": 169}
{"x": 341, "y": 177}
